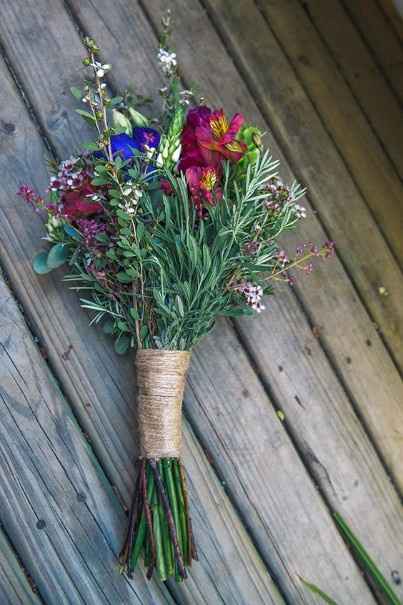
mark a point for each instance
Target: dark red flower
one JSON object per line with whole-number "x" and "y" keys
{"x": 208, "y": 138}
{"x": 166, "y": 187}
{"x": 78, "y": 203}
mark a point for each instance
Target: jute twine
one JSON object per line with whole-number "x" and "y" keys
{"x": 161, "y": 377}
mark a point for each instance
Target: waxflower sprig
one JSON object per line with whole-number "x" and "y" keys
{"x": 165, "y": 223}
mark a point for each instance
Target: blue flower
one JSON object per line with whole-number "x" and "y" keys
{"x": 148, "y": 137}
{"x": 123, "y": 145}
{"x": 142, "y": 138}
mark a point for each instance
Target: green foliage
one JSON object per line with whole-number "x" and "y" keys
{"x": 150, "y": 270}
{"x": 315, "y": 590}
{"x": 367, "y": 564}
{"x": 40, "y": 264}
{"x": 366, "y": 561}
{"x": 57, "y": 256}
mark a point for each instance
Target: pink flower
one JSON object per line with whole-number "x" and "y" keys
{"x": 208, "y": 138}
{"x": 203, "y": 185}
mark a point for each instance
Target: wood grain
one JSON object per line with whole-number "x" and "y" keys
{"x": 14, "y": 586}
{"x": 385, "y": 46}
{"x": 322, "y": 543}
{"x": 382, "y": 109}
{"x": 100, "y": 384}
{"x": 334, "y": 309}
{"x": 60, "y": 512}
{"x": 342, "y": 116}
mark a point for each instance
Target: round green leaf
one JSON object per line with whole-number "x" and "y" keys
{"x": 122, "y": 344}
{"x": 57, "y": 256}
{"x": 40, "y": 264}
{"x": 108, "y": 326}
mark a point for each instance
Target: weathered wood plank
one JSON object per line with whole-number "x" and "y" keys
{"x": 14, "y": 586}
{"x": 341, "y": 114}
{"x": 58, "y": 508}
{"x": 229, "y": 570}
{"x": 378, "y": 33}
{"x": 324, "y": 544}
{"x": 382, "y": 109}
{"x": 100, "y": 384}
{"x": 348, "y": 335}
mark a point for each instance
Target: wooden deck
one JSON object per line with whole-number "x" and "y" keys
{"x": 325, "y": 79}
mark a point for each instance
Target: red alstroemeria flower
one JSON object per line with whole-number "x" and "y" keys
{"x": 203, "y": 182}
{"x": 218, "y": 139}
{"x": 208, "y": 138}
{"x": 77, "y": 203}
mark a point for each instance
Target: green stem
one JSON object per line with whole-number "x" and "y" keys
{"x": 158, "y": 541}
{"x": 182, "y": 513}
{"x": 170, "y": 483}
{"x": 166, "y": 539}
{"x": 142, "y": 527}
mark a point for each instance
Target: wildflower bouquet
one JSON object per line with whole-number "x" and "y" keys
{"x": 164, "y": 225}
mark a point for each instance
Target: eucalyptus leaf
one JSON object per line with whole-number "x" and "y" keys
{"x": 40, "y": 264}
{"x": 122, "y": 344}
{"x": 57, "y": 256}
{"x": 108, "y": 326}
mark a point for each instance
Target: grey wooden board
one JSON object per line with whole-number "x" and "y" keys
{"x": 60, "y": 512}
{"x": 240, "y": 575}
{"x": 341, "y": 114}
{"x": 385, "y": 46}
{"x": 335, "y": 562}
{"x": 14, "y": 586}
{"x": 333, "y": 306}
{"x": 366, "y": 80}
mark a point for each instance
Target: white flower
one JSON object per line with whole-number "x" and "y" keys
{"x": 186, "y": 96}
{"x": 100, "y": 69}
{"x": 167, "y": 61}
{"x": 300, "y": 211}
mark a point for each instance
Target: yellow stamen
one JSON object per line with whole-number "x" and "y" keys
{"x": 209, "y": 179}
{"x": 234, "y": 146}
{"x": 219, "y": 126}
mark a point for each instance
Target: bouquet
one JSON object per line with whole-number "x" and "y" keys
{"x": 164, "y": 224}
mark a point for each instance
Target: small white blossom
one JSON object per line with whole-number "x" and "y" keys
{"x": 167, "y": 61}
{"x": 253, "y": 294}
{"x": 100, "y": 69}
{"x": 186, "y": 97}
{"x": 300, "y": 211}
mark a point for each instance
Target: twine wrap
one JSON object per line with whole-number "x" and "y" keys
{"x": 161, "y": 377}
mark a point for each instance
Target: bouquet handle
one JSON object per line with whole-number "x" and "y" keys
{"x": 159, "y": 521}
